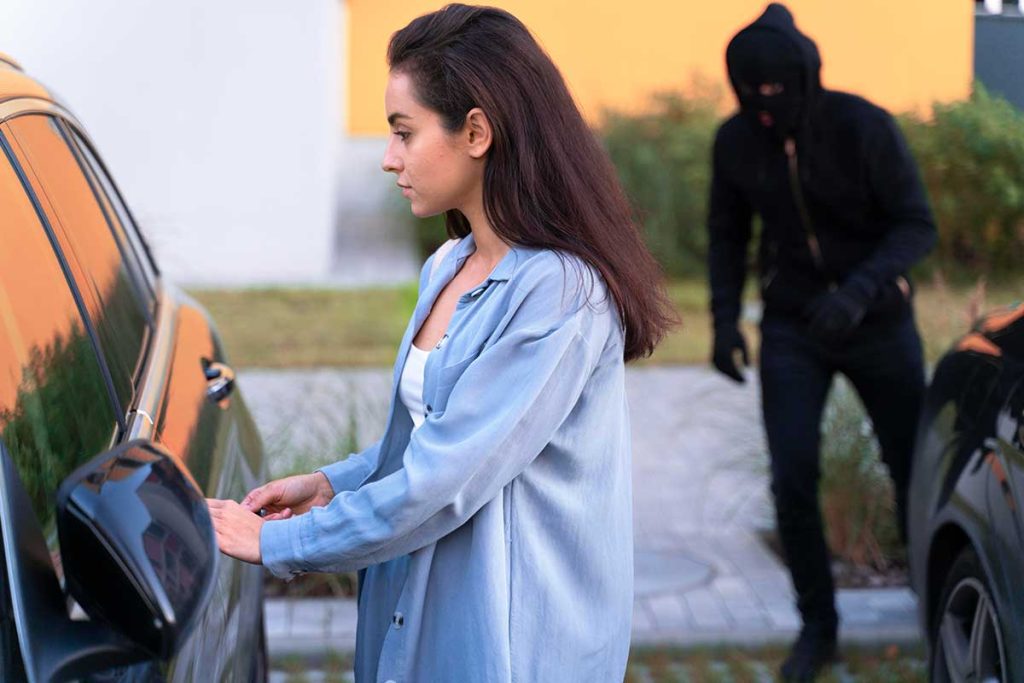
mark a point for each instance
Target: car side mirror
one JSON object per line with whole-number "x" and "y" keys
{"x": 137, "y": 545}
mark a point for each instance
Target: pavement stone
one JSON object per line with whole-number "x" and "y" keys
{"x": 643, "y": 620}
{"x": 701, "y": 499}
{"x": 343, "y": 620}
{"x": 741, "y": 604}
{"x": 670, "y": 612}
{"x": 276, "y": 618}
{"x": 783, "y": 616}
{"x": 707, "y": 609}
{"x": 657, "y": 572}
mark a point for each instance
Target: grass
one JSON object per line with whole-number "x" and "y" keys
{"x": 297, "y": 328}
{"x": 334, "y": 667}
{"x": 277, "y": 328}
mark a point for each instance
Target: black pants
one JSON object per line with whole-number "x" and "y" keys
{"x": 884, "y": 364}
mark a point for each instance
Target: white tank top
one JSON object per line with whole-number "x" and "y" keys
{"x": 410, "y": 387}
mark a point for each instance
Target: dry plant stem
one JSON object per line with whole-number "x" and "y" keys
{"x": 976, "y": 302}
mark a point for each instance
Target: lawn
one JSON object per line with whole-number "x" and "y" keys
{"x": 276, "y": 328}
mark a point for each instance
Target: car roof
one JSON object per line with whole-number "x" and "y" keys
{"x": 14, "y": 82}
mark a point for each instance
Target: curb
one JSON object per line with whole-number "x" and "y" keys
{"x": 315, "y": 626}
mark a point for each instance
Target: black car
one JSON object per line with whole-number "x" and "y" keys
{"x": 118, "y": 416}
{"x": 966, "y": 526}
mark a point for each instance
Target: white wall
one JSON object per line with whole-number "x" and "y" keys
{"x": 220, "y": 121}
{"x": 373, "y": 242}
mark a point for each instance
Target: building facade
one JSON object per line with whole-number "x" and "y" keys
{"x": 247, "y": 135}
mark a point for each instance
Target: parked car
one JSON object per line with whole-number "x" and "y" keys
{"x": 966, "y": 524}
{"x": 119, "y": 415}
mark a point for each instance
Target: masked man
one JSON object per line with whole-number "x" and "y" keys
{"x": 843, "y": 216}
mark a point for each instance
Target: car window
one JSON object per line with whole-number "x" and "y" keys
{"x": 114, "y": 303}
{"x": 56, "y": 411}
{"x": 133, "y": 248}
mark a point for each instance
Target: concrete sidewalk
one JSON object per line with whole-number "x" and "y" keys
{"x": 700, "y": 500}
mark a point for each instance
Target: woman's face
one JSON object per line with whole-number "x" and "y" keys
{"x": 436, "y": 170}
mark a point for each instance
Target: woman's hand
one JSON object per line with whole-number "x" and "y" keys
{"x": 237, "y": 529}
{"x": 282, "y": 498}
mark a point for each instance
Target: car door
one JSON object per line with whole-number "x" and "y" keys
{"x": 57, "y": 404}
{"x": 202, "y": 419}
{"x": 1005, "y": 458}
{"x": 159, "y": 352}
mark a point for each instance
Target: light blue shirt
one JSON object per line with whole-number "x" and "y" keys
{"x": 497, "y": 540}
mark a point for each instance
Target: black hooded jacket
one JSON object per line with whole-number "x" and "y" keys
{"x": 842, "y": 202}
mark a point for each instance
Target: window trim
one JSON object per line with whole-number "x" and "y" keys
{"x": 145, "y": 289}
{"x": 147, "y": 292}
{"x": 65, "y": 267}
{"x": 20, "y": 106}
{"x": 79, "y": 135}
{"x": 153, "y": 379}
{"x": 140, "y": 283}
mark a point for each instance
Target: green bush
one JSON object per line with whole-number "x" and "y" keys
{"x": 429, "y": 233}
{"x": 663, "y": 160}
{"x": 971, "y": 155}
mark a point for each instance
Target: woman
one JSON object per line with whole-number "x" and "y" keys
{"x": 493, "y": 520}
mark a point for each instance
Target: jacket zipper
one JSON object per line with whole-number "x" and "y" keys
{"x": 801, "y": 207}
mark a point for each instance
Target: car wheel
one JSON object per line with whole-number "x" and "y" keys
{"x": 966, "y": 638}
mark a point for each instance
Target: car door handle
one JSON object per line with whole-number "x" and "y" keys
{"x": 220, "y": 380}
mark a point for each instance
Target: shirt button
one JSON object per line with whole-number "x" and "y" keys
{"x": 390, "y": 680}
{"x": 429, "y": 408}
{"x": 398, "y": 620}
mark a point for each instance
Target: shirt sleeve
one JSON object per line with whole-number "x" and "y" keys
{"x": 729, "y": 218}
{"x": 500, "y": 415}
{"x": 348, "y": 474}
{"x": 901, "y": 198}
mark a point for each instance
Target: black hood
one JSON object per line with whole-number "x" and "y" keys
{"x": 770, "y": 50}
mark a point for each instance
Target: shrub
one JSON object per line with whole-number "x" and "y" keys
{"x": 971, "y": 156}
{"x": 429, "y": 234}
{"x": 662, "y": 158}
{"x": 856, "y": 493}
{"x": 663, "y": 161}
{"x": 970, "y": 153}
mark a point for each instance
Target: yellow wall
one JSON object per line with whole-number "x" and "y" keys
{"x": 902, "y": 54}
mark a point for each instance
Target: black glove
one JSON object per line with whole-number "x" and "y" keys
{"x": 728, "y": 341}
{"x": 834, "y": 316}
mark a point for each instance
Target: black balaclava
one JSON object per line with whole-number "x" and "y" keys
{"x": 772, "y": 50}
{"x": 762, "y": 56}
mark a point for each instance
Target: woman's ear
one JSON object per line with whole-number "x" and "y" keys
{"x": 478, "y": 133}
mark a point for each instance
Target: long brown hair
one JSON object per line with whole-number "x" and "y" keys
{"x": 547, "y": 181}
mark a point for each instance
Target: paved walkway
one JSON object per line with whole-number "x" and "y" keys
{"x": 700, "y": 500}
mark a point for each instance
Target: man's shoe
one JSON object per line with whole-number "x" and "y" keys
{"x": 812, "y": 652}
